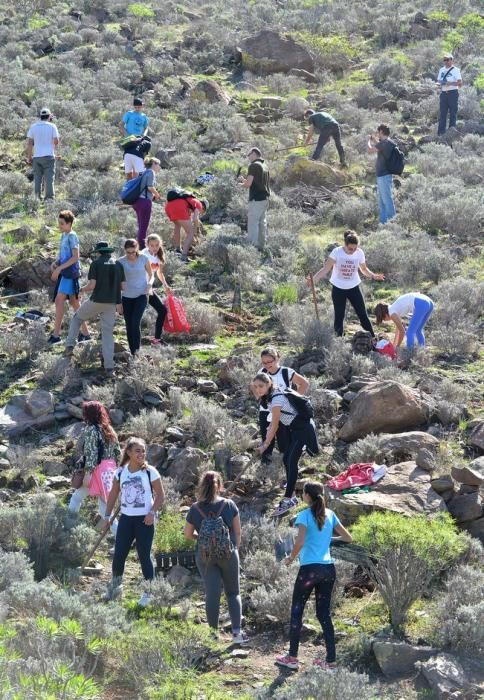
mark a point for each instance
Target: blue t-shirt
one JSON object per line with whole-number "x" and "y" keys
{"x": 316, "y": 543}
{"x": 68, "y": 242}
{"x": 135, "y": 123}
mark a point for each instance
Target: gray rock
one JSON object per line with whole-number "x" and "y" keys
{"x": 39, "y": 403}
{"x": 74, "y": 411}
{"x": 185, "y": 465}
{"x": 178, "y": 575}
{"x": 442, "y": 483}
{"x": 425, "y": 459}
{"x": 155, "y": 454}
{"x": 468, "y": 507}
{"x": 476, "y": 438}
{"x": 444, "y": 674}
{"x": 398, "y": 658}
{"x": 310, "y": 369}
{"x": 57, "y": 482}
{"x": 270, "y": 101}
{"x": 476, "y": 528}
{"x": 477, "y": 464}
{"x": 165, "y": 155}
{"x": 468, "y": 476}
{"x": 405, "y": 488}
{"x": 304, "y": 75}
{"x": 72, "y": 431}
{"x": 15, "y": 418}
{"x": 4, "y": 463}
{"x": 187, "y": 382}
{"x": 206, "y": 386}
{"x": 62, "y": 415}
{"x": 175, "y": 434}
{"x": 152, "y": 398}
{"x": 3, "y": 449}
{"x": 270, "y": 52}
{"x": 465, "y": 489}
{"x": 117, "y": 416}
{"x": 210, "y": 91}
{"x": 349, "y": 396}
{"x": 53, "y": 468}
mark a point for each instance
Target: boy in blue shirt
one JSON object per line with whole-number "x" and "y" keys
{"x": 135, "y": 122}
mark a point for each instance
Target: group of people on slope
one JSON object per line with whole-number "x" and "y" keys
{"x": 124, "y": 286}
{"x": 112, "y": 475}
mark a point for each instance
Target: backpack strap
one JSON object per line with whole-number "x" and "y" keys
{"x": 449, "y": 71}
{"x": 283, "y": 393}
{"x": 285, "y": 375}
{"x": 217, "y": 514}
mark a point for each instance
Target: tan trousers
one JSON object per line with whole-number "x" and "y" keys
{"x": 107, "y": 314}
{"x": 257, "y": 223}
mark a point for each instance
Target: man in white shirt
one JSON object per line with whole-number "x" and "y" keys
{"x": 450, "y": 80}
{"x": 42, "y": 140}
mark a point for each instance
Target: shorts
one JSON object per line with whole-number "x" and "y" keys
{"x": 132, "y": 162}
{"x": 67, "y": 286}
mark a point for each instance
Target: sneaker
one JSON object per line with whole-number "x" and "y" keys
{"x": 178, "y": 251}
{"x": 81, "y": 338}
{"x": 54, "y": 339}
{"x": 111, "y": 551}
{"x": 240, "y": 638}
{"x": 325, "y": 665}
{"x": 145, "y": 599}
{"x": 285, "y": 505}
{"x": 157, "y": 341}
{"x": 184, "y": 258}
{"x": 288, "y": 662}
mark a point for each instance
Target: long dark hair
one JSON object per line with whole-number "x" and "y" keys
{"x": 125, "y": 457}
{"x": 94, "y": 413}
{"x": 265, "y": 379}
{"x": 381, "y": 312}
{"x": 318, "y": 508}
{"x": 209, "y": 486}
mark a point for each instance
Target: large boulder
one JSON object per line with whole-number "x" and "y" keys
{"x": 184, "y": 464}
{"x": 209, "y": 91}
{"x": 407, "y": 445}
{"x": 312, "y": 173}
{"x": 476, "y": 438}
{"x": 31, "y": 273}
{"x": 270, "y": 52}
{"x": 468, "y": 476}
{"x": 405, "y": 489}
{"x": 384, "y": 407}
{"x": 26, "y": 411}
{"x": 396, "y": 658}
{"x": 445, "y": 675}
{"x": 466, "y": 507}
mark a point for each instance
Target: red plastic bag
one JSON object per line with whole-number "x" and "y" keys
{"x": 175, "y": 319}
{"x": 385, "y": 347}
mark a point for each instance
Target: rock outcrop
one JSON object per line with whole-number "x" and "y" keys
{"x": 270, "y": 52}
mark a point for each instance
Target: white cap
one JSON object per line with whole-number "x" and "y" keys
{"x": 45, "y": 112}
{"x": 448, "y": 55}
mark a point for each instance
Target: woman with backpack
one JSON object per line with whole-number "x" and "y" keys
{"x": 214, "y": 523}
{"x": 136, "y": 292}
{"x": 345, "y": 263}
{"x": 294, "y": 411}
{"x": 156, "y": 255}
{"x": 183, "y": 209}
{"x": 282, "y": 378}
{"x": 315, "y": 528}
{"x": 100, "y": 458}
{"x": 418, "y": 305}
{"x": 141, "y": 495}
{"x": 148, "y": 192}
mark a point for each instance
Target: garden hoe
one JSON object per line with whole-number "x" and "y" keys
{"x": 98, "y": 542}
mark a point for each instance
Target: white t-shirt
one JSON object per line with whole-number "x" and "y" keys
{"x": 278, "y": 381}
{"x": 345, "y": 273}
{"x": 43, "y": 133}
{"x": 404, "y": 305}
{"x": 136, "y": 496}
{"x": 452, "y": 76}
{"x": 155, "y": 263}
{"x": 288, "y": 412}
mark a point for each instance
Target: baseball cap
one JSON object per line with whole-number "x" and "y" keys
{"x": 448, "y": 55}
{"x": 102, "y": 247}
{"x": 45, "y": 112}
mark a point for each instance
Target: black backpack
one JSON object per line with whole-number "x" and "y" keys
{"x": 301, "y": 403}
{"x": 285, "y": 375}
{"x": 177, "y": 193}
{"x": 395, "y": 163}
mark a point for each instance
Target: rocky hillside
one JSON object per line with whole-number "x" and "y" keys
{"x": 217, "y": 78}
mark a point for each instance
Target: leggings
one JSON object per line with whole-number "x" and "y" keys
{"x": 155, "y": 301}
{"x": 77, "y": 498}
{"x": 130, "y": 528}
{"x": 421, "y": 313}
{"x": 283, "y": 437}
{"x": 321, "y": 577}
{"x": 301, "y": 433}
{"x": 355, "y": 297}
{"x": 133, "y": 310}
{"x": 226, "y": 573}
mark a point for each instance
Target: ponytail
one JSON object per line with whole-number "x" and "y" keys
{"x": 209, "y": 486}
{"x": 318, "y": 508}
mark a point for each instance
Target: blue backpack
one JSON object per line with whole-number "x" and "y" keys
{"x": 131, "y": 190}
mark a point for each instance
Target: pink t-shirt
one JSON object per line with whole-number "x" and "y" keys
{"x": 345, "y": 273}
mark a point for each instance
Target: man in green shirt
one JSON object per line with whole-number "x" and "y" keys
{"x": 258, "y": 184}
{"x": 106, "y": 279}
{"x": 326, "y": 126}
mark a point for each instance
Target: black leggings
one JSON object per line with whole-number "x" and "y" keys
{"x": 321, "y": 577}
{"x": 133, "y": 310}
{"x": 282, "y": 435}
{"x": 355, "y": 297}
{"x": 132, "y": 527}
{"x": 301, "y": 432}
{"x": 155, "y": 301}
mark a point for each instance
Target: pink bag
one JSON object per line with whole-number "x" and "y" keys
{"x": 175, "y": 319}
{"x": 101, "y": 481}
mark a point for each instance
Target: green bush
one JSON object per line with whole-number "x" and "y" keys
{"x": 169, "y": 535}
{"x": 284, "y": 294}
{"x": 139, "y": 9}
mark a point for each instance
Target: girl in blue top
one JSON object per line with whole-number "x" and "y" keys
{"x": 316, "y": 525}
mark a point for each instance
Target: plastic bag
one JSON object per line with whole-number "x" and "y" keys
{"x": 385, "y": 347}
{"x": 175, "y": 320}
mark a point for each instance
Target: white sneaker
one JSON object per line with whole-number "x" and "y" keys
{"x": 145, "y": 599}
{"x": 285, "y": 505}
{"x": 240, "y": 638}
{"x": 114, "y": 591}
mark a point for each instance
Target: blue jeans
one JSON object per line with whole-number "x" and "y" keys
{"x": 386, "y": 205}
{"x": 421, "y": 314}
{"x": 133, "y": 310}
{"x": 130, "y": 528}
{"x": 449, "y": 102}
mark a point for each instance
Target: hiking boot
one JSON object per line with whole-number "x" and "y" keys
{"x": 285, "y": 505}
{"x": 115, "y": 589}
{"x": 288, "y": 662}
{"x": 145, "y": 599}
{"x": 81, "y": 338}
{"x": 54, "y": 339}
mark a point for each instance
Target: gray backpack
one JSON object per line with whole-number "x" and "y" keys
{"x": 214, "y": 541}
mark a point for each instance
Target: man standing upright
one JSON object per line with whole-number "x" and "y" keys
{"x": 326, "y": 126}
{"x": 381, "y": 144}
{"x": 450, "y": 80}
{"x": 105, "y": 280}
{"x": 135, "y": 122}
{"x": 42, "y": 140}
{"x": 258, "y": 184}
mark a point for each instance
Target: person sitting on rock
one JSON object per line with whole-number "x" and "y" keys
{"x": 301, "y": 432}
{"x": 66, "y": 271}
{"x": 345, "y": 262}
{"x": 418, "y": 305}
{"x": 282, "y": 378}
{"x": 326, "y": 126}
{"x": 184, "y": 209}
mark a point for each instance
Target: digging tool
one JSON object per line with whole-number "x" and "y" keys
{"x": 98, "y": 542}
{"x": 313, "y": 290}
{"x": 292, "y": 148}
{"x": 13, "y": 296}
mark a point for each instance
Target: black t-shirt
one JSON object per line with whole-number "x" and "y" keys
{"x": 384, "y": 149}
{"x": 139, "y": 148}
{"x": 260, "y": 188}
{"x": 229, "y": 512}
{"x": 109, "y": 274}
